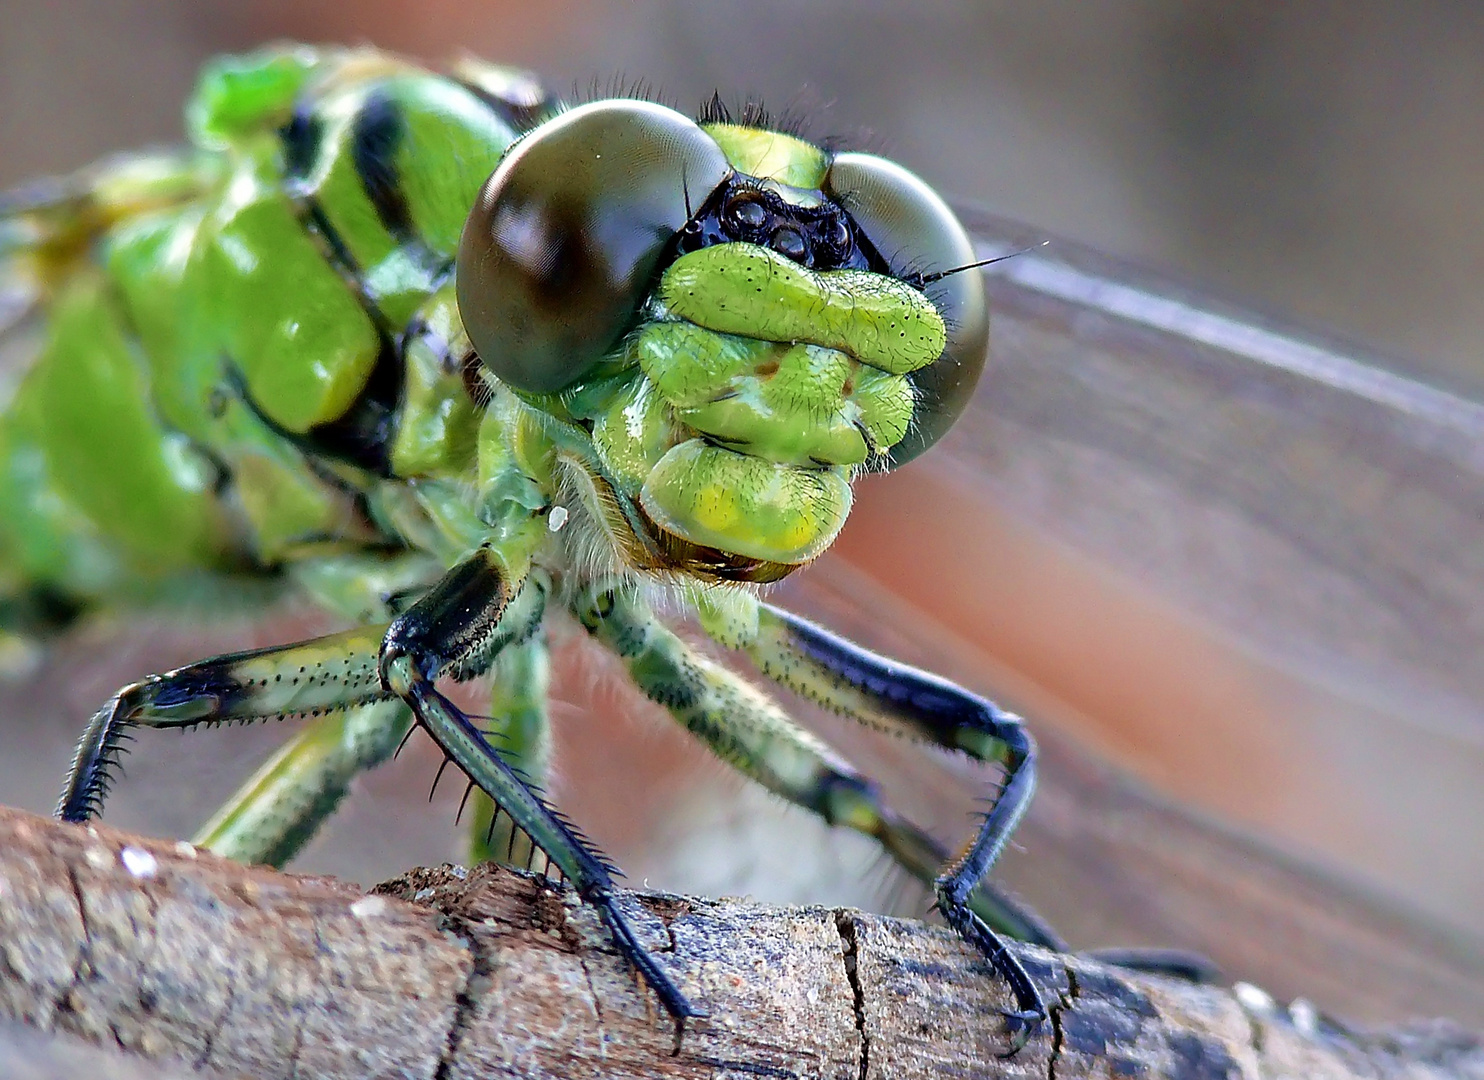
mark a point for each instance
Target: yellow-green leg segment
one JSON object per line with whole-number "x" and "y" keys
{"x": 283, "y": 805}
{"x": 280, "y": 808}
{"x": 323, "y": 676}
{"x": 749, "y": 730}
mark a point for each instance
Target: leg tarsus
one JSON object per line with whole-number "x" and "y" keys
{"x": 439, "y": 634}
{"x": 96, "y": 761}
{"x": 675, "y": 1002}
{"x": 1031, "y": 1013}
{"x": 1022, "y": 1026}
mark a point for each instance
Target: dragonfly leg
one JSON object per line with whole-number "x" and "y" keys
{"x": 447, "y": 632}
{"x": 280, "y": 808}
{"x": 284, "y": 803}
{"x": 878, "y": 692}
{"x": 310, "y": 678}
{"x": 753, "y": 733}
{"x": 888, "y": 695}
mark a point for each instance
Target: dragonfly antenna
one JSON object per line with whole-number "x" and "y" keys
{"x": 928, "y": 279}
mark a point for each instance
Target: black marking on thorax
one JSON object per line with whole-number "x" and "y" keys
{"x": 303, "y": 143}
{"x": 522, "y": 116}
{"x": 301, "y": 137}
{"x": 363, "y": 434}
{"x": 376, "y": 136}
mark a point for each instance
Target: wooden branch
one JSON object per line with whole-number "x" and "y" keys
{"x": 177, "y": 956}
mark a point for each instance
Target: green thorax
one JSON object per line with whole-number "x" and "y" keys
{"x": 283, "y": 334}
{"x": 224, "y": 322}
{"x": 319, "y": 263}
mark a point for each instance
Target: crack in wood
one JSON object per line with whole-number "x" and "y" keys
{"x": 592, "y": 990}
{"x": 845, "y": 924}
{"x": 297, "y": 1047}
{"x": 83, "y": 959}
{"x": 1053, "y": 1014}
{"x": 466, "y": 999}
{"x": 208, "y": 1042}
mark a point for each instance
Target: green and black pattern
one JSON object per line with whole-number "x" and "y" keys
{"x": 443, "y": 356}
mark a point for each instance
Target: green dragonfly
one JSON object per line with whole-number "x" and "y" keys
{"x": 443, "y": 356}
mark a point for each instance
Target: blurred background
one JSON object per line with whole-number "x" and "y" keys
{"x": 1320, "y": 162}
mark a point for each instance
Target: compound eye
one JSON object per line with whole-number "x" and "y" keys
{"x": 564, "y": 240}
{"x": 913, "y": 229}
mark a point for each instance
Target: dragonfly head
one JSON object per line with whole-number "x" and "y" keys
{"x": 742, "y": 320}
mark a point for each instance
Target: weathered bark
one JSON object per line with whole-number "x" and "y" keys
{"x": 175, "y": 955}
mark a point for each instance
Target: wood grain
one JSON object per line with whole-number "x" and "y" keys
{"x": 170, "y": 954}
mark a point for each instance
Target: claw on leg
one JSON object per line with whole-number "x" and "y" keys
{"x": 1022, "y": 1025}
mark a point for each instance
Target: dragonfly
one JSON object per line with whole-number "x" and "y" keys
{"x": 1053, "y": 311}
{"x": 446, "y": 356}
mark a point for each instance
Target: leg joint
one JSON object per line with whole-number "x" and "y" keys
{"x": 992, "y": 734}
{"x": 850, "y": 799}
{"x": 400, "y": 668}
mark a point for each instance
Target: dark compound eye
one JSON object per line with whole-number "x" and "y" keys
{"x": 561, "y": 246}
{"x": 913, "y": 229}
{"x": 789, "y": 243}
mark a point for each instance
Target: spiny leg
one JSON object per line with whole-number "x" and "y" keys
{"x": 456, "y": 629}
{"x": 750, "y": 731}
{"x": 280, "y": 808}
{"x": 884, "y": 694}
{"x": 325, "y": 674}
{"x": 519, "y": 682}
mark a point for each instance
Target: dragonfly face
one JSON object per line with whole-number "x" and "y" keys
{"x": 713, "y": 301}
